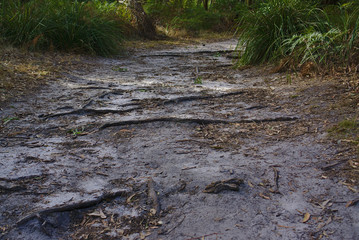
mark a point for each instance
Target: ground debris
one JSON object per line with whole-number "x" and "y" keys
{"x": 219, "y": 186}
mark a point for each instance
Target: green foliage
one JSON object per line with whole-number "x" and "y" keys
{"x": 347, "y": 130}
{"x": 94, "y": 26}
{"x": 336, "y": 43}
{"x": 265, "y": 26}
{"x": 301, "y": 32}
{"x": 191, "y": 15}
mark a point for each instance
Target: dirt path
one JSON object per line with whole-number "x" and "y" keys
{"x": 124, "y": 148}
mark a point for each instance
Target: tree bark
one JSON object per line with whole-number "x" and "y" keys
{"x": 143, "y": 22}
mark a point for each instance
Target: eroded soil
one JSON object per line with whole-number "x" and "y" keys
{"x": 124, "y": 149}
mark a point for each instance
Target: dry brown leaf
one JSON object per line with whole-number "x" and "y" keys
{"x": 352, "y": 202}
{"x": 306, "y": 217}
{"x": 250, "y": 184}
{"x": 264, "y": 196}
{"x": 98, "y": 214}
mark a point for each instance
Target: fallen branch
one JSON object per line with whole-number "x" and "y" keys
{"x": 330, "y": 166}
{"x": 231, "y": 184}
{"x": 72, "y": 207}
{"x": 195, "y": 120}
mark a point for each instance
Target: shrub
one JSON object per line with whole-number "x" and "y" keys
{"x": 62, "y": 24}
{"x": 191, "y": 14}
{"x": 335, "y": 42}
{"x": 265, "y": 26}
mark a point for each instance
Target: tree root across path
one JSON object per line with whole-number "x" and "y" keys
{"x": 195, "y": 120}
{"x": 90, "y": 111}
{"x": 183, "y": 54}
{"x": 84, "y": 110}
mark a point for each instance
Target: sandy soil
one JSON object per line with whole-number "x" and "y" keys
{"x": 128, "y": 148}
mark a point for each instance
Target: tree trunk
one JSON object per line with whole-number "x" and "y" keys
{"x": 143, "y": 22}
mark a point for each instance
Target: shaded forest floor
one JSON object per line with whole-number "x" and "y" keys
{"x": 174, "y": 143}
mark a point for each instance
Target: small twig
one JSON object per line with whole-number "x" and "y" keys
{"x": 174, "y": 227}
{"x": 71, "y": 207}
{"x": 202, "y": 237}
{"x": 330, "y": 166}
{"x": 276, "y": 180}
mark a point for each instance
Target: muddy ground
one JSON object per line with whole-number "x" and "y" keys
{"x": 176, "y": 144}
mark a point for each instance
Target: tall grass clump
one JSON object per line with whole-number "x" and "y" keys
{"x": 264, "y": 26}
{"x": 92, "y": 26}
{"x": 335, "y": 44}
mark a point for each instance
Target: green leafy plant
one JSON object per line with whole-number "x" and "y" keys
{"x": 198, "y": 80}
{"x": 120, "y": 69}
{"x": 9, "y": 119}
{"x": 346, "y": 130}
{"x": 76, "y": 131}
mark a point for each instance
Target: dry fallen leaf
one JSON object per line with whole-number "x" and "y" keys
{"x": 306, "y": 218}
{"x": 98, "y": 214}
{"x": 250, "y": 184}
{"x": 282, "y": 226}
{"x": 264, "y": 196}
{"x": 352, "y": 202}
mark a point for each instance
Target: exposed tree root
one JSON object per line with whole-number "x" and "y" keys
{"x": 181, "y": 54}
{"x": 195, "y": 120}
{"x": 90, "y": 111}
{"x": 204, "y": 97}
{"x": 115, "y": 92}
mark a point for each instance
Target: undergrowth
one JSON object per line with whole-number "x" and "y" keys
{"x": 347, "y": 130}
{"x": 300, "y": 32}
{"x": 194, "y": 15}
{"x": 90, "y": 26}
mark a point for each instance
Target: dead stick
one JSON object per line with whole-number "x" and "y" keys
{"x": 204, "y": 236}
{"x": 276, "y": 180}
{"x": 153, "y": 195}
{"x": 71, "y": 207}
{"x": 173, "y": 228}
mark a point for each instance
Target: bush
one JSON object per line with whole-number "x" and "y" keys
{"x": 336, "y": 43}
{"x": 62, "y": 24}
{"x": 191, "y": 14}
{"x": 265, "y": 26}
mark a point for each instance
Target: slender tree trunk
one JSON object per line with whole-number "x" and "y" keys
{"x": 205, "y": 4}
{"x": 143, "y": 22}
